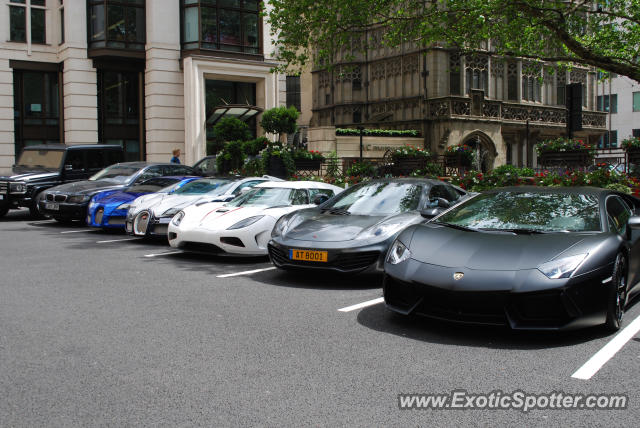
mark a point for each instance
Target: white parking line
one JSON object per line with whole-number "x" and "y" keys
{"x": 247, "y": 272}
{"x": 596, "y": 362}
{"x": 78, "y": 231}
{"x": 362, "y": 305}
{"x": 41, "y": 221}
{"x": 116, "y": 240}
{"x": 168, "y": 253}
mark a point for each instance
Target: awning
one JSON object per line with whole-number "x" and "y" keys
{"x": 243, "y": 112}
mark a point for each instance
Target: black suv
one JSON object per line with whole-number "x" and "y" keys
{"x": 41, "y": 167}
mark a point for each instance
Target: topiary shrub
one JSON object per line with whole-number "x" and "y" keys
{"x": 280, "y": 120}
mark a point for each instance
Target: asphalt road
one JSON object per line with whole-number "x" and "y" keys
{"x": 101, "y": 329}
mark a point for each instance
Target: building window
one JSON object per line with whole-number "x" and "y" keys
{"x": 606, "y": 102}
{"x": 223, "y": 92}
{"x": 19, "y": 13}
{"x": 454, "y": 73}
{"x": 531, "y": 81}
{"x": 293, "y": 92}
{"x": 636, "y": 101}
{"x": 36, "y": 101}
{"x": 116, "y": 24}
{"x": 119, "y": 111}
{"x": 512, "y": 81}
{"x": 222, "y": 25}
{"x": 609, "y": 140}
{"x": 635, "y": 133}
{"x": 476, "y": 71}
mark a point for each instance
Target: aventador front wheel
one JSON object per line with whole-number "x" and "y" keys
{"x": 617, "y": 294}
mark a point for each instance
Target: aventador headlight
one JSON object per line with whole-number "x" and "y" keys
{"x": 78, "y": 199}
{"x": 170, "y": 212}
{"x": 17, "y": 188}
{"x": 398, "y": 253}
{"x": 562, "y": 268}
{"x": 246, "y": 222}
{"x": 177, "y": 218}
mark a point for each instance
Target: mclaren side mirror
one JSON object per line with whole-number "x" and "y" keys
{"x": 320, "y": 199}
{"x": 430, "y": 212}
{"x": 634, "y": 222}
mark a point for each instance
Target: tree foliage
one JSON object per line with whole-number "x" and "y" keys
{"x": 600, "y": 33}
{"x": 280, "y": 120}
{"x": 231, "y": 129}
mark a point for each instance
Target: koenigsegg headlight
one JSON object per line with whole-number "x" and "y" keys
{"x": 562, "y": 268}
{"x": 78, "y": 199}
{"x": 398, "y": 253}
{"x": 246, "y": 222}
{"x": 177, "y": 218}
{"x": 170, "y": 212}
{"x": 124, "y": 206}
{"x": 18, "y": 188}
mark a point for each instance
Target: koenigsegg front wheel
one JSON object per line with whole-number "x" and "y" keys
{"x": 617, "y": 294}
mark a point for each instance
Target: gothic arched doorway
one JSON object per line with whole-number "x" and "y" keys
{"x": 484, "y": 148}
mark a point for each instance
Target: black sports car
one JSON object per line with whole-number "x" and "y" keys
{"x": 352, "y": 232}
{"x": 526, "y": 257}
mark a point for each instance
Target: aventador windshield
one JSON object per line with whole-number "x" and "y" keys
{"x": 514, "y": 211}
{"x": 379, "y": 199}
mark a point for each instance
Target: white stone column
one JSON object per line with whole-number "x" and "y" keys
{"x": 164, "y": 84}
{"x": 194, "y": 112}
{"x": 79, "y": 78}
{"x": 7, "y": 136}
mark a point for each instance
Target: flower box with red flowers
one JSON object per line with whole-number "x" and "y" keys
{"x": 567, "y": 152}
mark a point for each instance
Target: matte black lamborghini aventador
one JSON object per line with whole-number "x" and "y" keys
{"x": 526, "y": 257}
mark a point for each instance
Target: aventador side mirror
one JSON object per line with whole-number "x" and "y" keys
{"x": 430, "y": 212}
{"x": 320, "y": 199}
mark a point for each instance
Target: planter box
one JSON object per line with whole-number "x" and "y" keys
{"x": 633, "y": 155}
{"x": 277, "y": 168}
{"x": 307, "y": 164}
{"x": 566, "y": 159}
{"x": 405, "y": 166}
{"x": 457, "y": 161}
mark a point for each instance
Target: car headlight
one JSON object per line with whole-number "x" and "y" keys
{"x": 278, "y": 228}
{"x": 18, "y": 188}
{"x": 177, "y": 219}
{"x": 398, "y": 253}
{"x": 91, "y": 205}
{"x": 78, "y": 199}
{"x": 383, "y": 230}
{"x": 124, "y": 206}
{"x": 246, "y": 222}
{"x": 170, "y": 212}
{"x": 562, "y": 268}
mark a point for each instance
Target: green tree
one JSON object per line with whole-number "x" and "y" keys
{"x": 231, "y": 129}
{"x": 600, "y": 33}
{"x": 280, "y": 120}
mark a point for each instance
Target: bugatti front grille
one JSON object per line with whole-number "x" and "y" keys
{"x": 99, "y": 215}
{"x": 141, "y": 223}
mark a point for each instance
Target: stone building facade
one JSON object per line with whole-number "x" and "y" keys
{"x": 147, "y": 75}
{"x": 500, "y": 106}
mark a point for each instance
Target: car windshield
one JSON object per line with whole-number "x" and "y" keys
{"x": 47, "y": 159}
{"x": 532, "y": 211}
{"x": 269, "y": 196}
{"x": 117, "y": 173}
{"x": 154, "y": 185}
{"x": 202, "y": 186}
{"x": 379, "y": 199}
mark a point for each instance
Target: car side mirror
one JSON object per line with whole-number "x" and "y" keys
{"x": 634, "y": 222}
{"x": 430, "y": 212}
{"x": 320, "y": 199}
{"x": 245, "y": 190}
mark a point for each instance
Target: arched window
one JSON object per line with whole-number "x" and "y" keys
{"x": 477, "y": 76}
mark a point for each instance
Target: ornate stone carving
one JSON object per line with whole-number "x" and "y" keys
{"x": 497, "y": 67}
{"x": 461, "y": 107}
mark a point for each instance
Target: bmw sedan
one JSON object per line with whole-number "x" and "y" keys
{"x": 526, "y": 257}
{"x": 352, "y": 232}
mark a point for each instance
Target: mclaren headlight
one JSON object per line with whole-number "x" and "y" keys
{"x": 78, "y": 199}
{"x": 562, "y": 268}
{"x": 246, "y": 222}
{"x": 278, "y": 229}
{"x": 398, "y": 253}
{"x": 18, "y": 188}
{"x": 170, "y": 212}
{"x": 383, "y": 230}
{"x": 177, "y": 219}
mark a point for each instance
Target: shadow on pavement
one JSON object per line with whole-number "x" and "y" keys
{"x": 379, "y": 318}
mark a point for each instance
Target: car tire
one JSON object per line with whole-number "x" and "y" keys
{"x": 4, "y": 211}
{"x": 34, "y": 209}
{"x": 63, "y": 220}
{"x": 617, "y": 299}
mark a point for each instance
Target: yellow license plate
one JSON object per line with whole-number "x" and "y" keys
{"x": 309, "y": 256}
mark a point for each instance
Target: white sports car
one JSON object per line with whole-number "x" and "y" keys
{"x": 243, "y": 226}
{"x": 149, "y": 215}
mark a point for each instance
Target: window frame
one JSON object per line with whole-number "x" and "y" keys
{"x": 136, "y": 46}
{"x": 28, "y": 8}
{"x": 635, "y": 106}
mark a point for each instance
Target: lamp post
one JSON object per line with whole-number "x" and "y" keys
{"x": 361, "y": 129}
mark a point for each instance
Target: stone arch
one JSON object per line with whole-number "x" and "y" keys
{"x": 486, "y": 151}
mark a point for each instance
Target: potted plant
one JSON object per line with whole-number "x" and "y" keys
{"x": 408, "y": 159}
{"x": 567, "y": 152}
{"x": 632, "y": 146}
{"x": 280, "y": 120}
{"x": 230, "y": 158}
{"x": 459, "y": 155}
{"x": 307, "y": 159}
{"x": 277, "y": 160}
